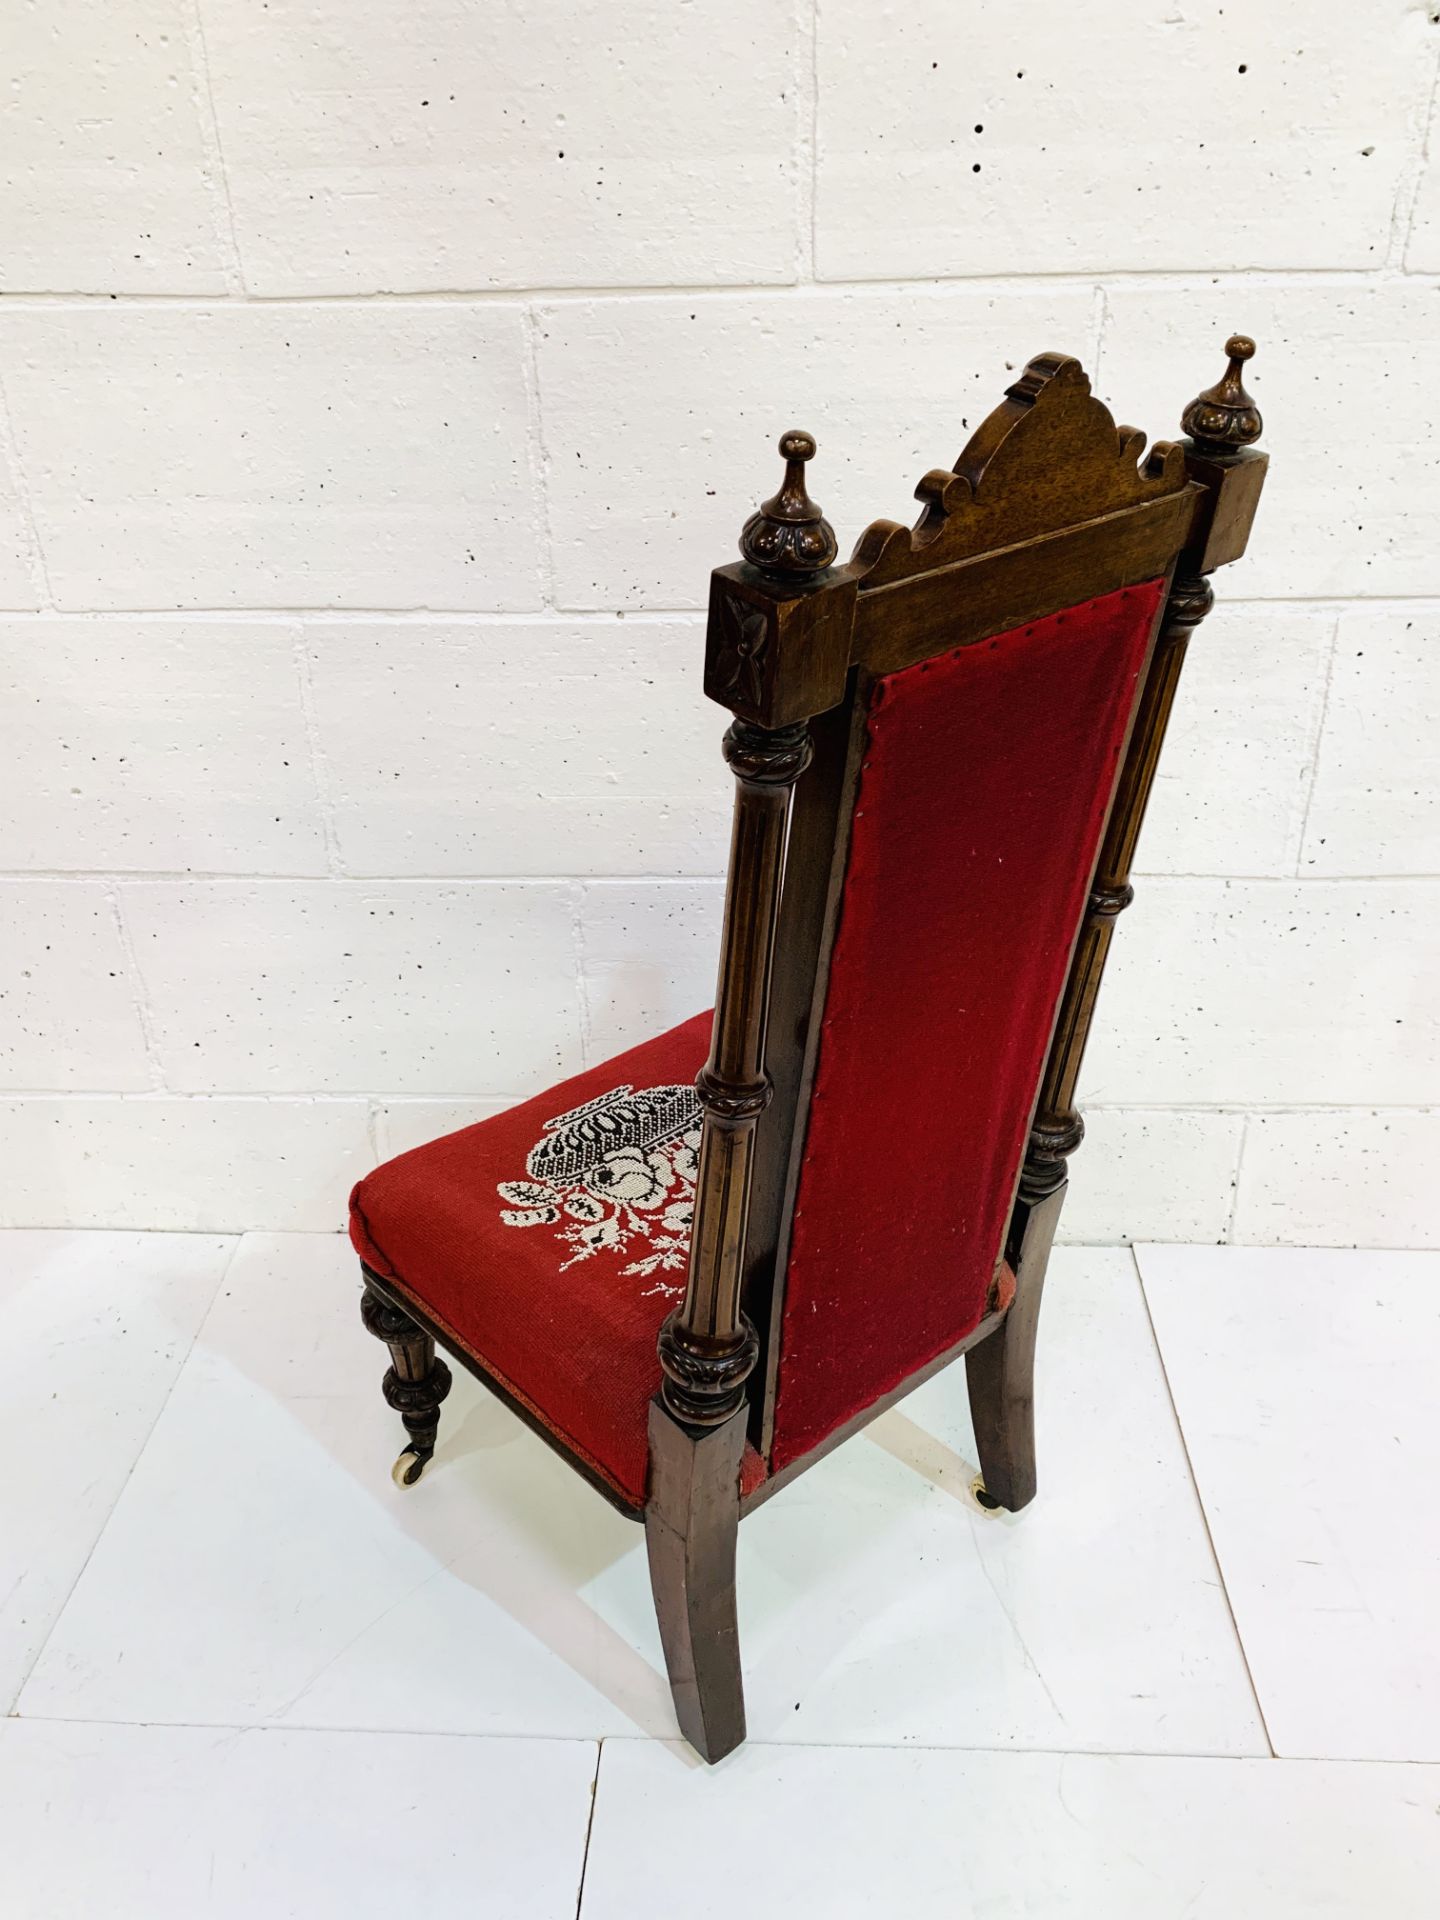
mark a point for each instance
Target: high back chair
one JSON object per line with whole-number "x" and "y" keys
{"x": 695, "y": 1273}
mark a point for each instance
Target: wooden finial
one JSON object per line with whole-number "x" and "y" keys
{"x": 1224, "y": 418}
{"x": 789, "y": 535}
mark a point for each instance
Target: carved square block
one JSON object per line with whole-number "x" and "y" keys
{"x": 1222, "y": 526}
{"x": 777, "y": 653}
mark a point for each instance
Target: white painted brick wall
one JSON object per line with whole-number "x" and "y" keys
{"x": 466, "y": 748}
{"x": 258, "y": 454}
{"x": 1136, "y": 136}
{"x": 525, "y": 143}
{"x": 105, "y": 151}
{"x": 377, "y": 389}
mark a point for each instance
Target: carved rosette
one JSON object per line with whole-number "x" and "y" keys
{"x": 789, "y": 535}
{"x": 747, "y": 639}
{"x": 1224, "y": 419}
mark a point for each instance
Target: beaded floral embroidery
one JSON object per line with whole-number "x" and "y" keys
{"x": 616, "y": 1175}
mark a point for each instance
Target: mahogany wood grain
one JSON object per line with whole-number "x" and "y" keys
{"x": 1000, "y": 1370}
{"x": 691, "y": 1522}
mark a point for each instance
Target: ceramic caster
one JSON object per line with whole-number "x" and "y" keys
{"x": 985, "y": 1501}
{"x": 409, "y": 1467}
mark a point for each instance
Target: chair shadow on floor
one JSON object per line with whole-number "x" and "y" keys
{"x": 336, "y": 1599}
{"x": 899, "y": 1436}
{"x": 558, "y": 1539}
{"x": 576, "y": 1631}
{"x": 540, "y": 1539}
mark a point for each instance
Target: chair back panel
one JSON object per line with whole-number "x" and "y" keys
{"x": 982, "y": 793}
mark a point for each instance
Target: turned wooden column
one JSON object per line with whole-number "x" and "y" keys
{"x": 415, "y": 1382}
{"x": 1057, "y": 1129}
{"x": 1222, "y": 423}
{"x": 707, "y": 1346}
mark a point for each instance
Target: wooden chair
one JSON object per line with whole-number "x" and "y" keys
{"x": 942, "y": 754}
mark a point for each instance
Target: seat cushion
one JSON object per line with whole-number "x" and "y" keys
{"x": 550, "y": 1242}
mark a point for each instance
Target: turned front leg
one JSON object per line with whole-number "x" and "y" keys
{"x": 415, "y": 1382}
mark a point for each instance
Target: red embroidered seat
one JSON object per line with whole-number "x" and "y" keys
{"x": 698, "y": 1267}
{"x": 550, "y": 1242}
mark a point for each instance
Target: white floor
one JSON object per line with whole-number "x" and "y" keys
{"x": 245, "y": 1675}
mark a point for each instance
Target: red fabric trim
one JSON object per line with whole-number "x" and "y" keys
{"x": 1003, "y": 1291}
{"x": 983, "y": 792}
{"x": 752, "y": 1470}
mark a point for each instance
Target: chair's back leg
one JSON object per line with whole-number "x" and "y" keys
{"x": 1000, "y": 1371}
{"x": 692, "y": 1517}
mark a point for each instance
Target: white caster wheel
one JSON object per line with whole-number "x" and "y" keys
{"x": 409, "y": 1467}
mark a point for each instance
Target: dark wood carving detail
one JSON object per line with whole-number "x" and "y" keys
{"x": 739, "y": 666}
{"x": 707, "y": 1346}
{"x": 1050, "y": 456}
{"x": 415, "y": 1383}
{"x": 789, "y": 535}
{"x": 1223, "y": 419}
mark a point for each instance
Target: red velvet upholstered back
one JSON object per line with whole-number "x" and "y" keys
{"x": 982, "y": 796}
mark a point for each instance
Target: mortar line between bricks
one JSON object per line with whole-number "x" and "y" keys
{"x": 1100, "y": 322}
{"x": 1316, "y": 743}
{"x": 14, "y": 467}
{"x": 1408, "y": 191}
{"x": 1243, "y": 1142}
{"x": 582, "y": 981}
{"x": 1178, "y": 279}
{"x": 156, "y": 1096}
{"x": 377, "y": 1134}
{"x": 200, "y": 876}
{"x": 213, "y": 172}
{"x": 140, "y": 999}
{"x": 616, "y": 617}
{"x": 319, "y": 760}
{"x": 539, "y": 453}
{"x": 807, "y": 136}
{"x": 355, "y": 1097}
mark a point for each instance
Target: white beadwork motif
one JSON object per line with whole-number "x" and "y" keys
{"x": 614, "y": 1174}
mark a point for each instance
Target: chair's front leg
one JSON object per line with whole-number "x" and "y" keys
{"x": 692, "y": 1517}
{"x": 415, "y": 1383}
{"x": 1000, "y": 1372}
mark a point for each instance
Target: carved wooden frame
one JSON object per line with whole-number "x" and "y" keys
{"x": 1049, "y": 504}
